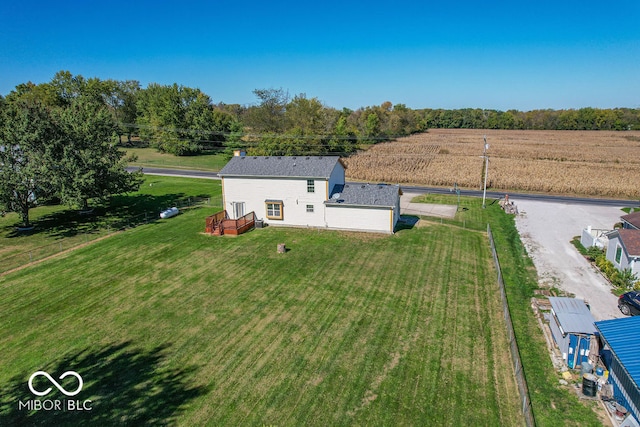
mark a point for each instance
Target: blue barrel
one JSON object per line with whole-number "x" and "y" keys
{"x": 599, "y": 371}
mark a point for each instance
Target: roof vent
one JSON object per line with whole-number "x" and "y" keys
{"x": 336, "y": 196}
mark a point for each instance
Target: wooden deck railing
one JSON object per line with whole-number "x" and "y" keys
{"x": 220, "y": 224}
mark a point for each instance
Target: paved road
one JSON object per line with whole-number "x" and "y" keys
{"x": 436, "y": 190}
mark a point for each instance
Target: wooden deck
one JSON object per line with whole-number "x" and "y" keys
{"x": 220, "y": 224}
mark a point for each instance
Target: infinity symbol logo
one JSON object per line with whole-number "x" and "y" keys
{"x": 55, "y": 383}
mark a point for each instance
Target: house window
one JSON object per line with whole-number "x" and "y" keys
{"x": 311, "y": 186}
{"x": 274, "y": 209}
{"x": 618, "y": 254}
{"x": 309, "y": 208}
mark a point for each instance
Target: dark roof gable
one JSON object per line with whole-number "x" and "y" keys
{"x": 633, "y": 219}
{"x": 281, "y": 166}
{"x": 631, "y": 241}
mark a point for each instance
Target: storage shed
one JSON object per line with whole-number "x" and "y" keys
{"x": 621, "y": 356}
{"x": 572, "y": 327}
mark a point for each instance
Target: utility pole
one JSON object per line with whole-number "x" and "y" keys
{"x": 486, "y": 171}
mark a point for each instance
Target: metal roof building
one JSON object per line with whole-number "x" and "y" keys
{"x": 623, "y": 341}
{"x": 572, "y": 327}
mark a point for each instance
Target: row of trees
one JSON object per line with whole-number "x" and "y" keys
{"x": 581, "y": 119}
{"x": 184, "y": 121}
{"x": 59, "y": 147}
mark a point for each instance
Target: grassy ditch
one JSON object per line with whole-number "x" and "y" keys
{"x": 552, "y": 404}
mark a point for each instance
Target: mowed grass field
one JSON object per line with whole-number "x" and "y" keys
{"x": 150, "y": 157}
{"x": 170, "y": 326}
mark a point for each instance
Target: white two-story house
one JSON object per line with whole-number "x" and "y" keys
{"x": 306, "y": 191}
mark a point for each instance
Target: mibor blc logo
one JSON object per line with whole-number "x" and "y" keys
{"x": 55, "y": 405}
{"x": 55, "y": 383}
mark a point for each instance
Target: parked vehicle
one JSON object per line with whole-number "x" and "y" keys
{"x": 629, "y": 303}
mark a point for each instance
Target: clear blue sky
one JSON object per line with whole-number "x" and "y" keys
{"x": 425, "y": 54}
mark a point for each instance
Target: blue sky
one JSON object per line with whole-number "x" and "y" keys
{"x": 498, "y": 55}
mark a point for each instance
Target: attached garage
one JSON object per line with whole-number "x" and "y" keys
{"x": 364, "y": 207}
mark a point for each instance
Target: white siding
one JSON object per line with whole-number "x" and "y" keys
{"x": 625, "y": 261}
{"x": 292, "y": 191}
{"x": 368, "y": 218}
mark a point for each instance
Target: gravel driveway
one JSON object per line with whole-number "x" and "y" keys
{"x": 546, "y": 229}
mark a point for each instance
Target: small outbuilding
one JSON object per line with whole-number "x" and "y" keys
{"x": 573, "y": 330}
{"x": 621, "y": 357}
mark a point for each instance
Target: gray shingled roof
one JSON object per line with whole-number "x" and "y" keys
{"x": 281, "y": 166}
{"x": 364, "y": 195}
{"x": 573, "y": 315}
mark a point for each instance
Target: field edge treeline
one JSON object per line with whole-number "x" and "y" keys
{"x": 185, "y": 121}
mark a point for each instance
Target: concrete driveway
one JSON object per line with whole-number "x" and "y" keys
{"x": 427, "y": 209}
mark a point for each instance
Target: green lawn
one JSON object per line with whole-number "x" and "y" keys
{"x": 150, "y": 157}
{"x": 59, "y": 228}
{"x": 167, "y": 325}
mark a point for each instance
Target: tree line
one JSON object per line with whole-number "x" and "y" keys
{"x": 185, "y": 121}
{"x": 581, "y": 119}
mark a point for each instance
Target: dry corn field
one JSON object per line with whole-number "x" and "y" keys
{"x": 590, "y": 163}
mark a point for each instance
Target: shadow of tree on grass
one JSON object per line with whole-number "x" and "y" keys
{"x": 122, "y": 209}
{"x": 126, "y": 386}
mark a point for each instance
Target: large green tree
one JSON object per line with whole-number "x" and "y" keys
{"x": 175, "y": 119}
{"x": 87, "y": 162}
{"x": 269, "y": 115}
{"x": 27, "y": 133}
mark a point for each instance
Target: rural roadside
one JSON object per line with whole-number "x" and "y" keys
{"x": 546, "y": 229}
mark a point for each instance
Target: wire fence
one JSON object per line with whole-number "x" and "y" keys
{"x": 515, "y": 353}
{"x": 91, "y": 232}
